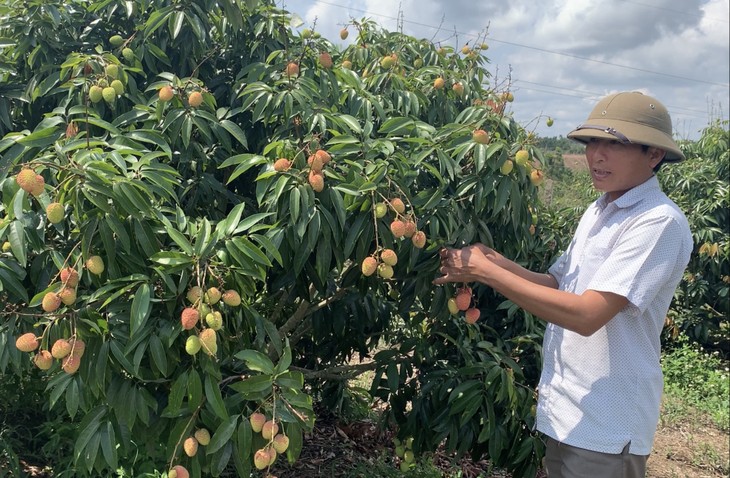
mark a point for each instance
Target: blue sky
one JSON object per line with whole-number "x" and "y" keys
{"x": 563, "y": 55}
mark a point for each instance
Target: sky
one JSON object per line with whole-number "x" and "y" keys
{"x": 564, "y": 55}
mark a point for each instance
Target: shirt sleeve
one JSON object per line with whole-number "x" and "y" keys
{"x": 642, "y": 260}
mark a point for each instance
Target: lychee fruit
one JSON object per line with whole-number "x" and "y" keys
{"x": 480, "y": 136}
{"x": 347, "y": 64}
{"x": 410, "y": 229}
{"x": 193, "y": 294}
{"x": 315, "y": 163}
{"x": 419, "y": 239}
{"x": 471, "y": 315}
{"x": 451, "y": 305}
{"x": 398, "y": 228}
{"x": 78, "y": 347}
{"x": 344, "y": 33}
{"x": 95, "y": 93}
{"x": 549, "y": 122}
{"x": 257, "y": 421}
{"x": 463, "y": 299}
{"x": 60, "y": 348}
{"x": 323, "y": 155}
{"x": 282, "y": 164}
{"x": 165, "y": 93}
{"x": 111, "y": 70}
{"x": 261, "y": 458}
{"x": 212, "y": 295}
{"x": 316, "y": 180}
{"x": 380, "y": 210}
{"x": 231, "y": 298}
{"x": 280, "y": 443}
{"x": 40, "y": 183}
{"x": 388, "y": 256}
{"x": 128, "y": 54}
{"x": 398, "y": 205}
{"x": 438, "y": 83}
{"x": 387, "y": 62}
{"x": 116, "y": 40}
{"x": 55, "y": 212}
{"x": 69, "y": 277}
{"x": 506, "y": 167}
{"x": 325, "y": 59}
{"x": 189, "y": 318}
{"x": 292, "y": 69}
{"x": 214, "y": 320}
{"x": 51, "y": 302}
{"x": 385, "y": 271}
{"x": 109, "y": 94}
{"x": 458, "y": 88}
{"x": 192, "y": 345}
{"x": 195, "y": 99}
{"x": 95, "y": 265}
{"x": 522, "y": 156}
{"x": 67, "y": 295}
{"x": 178, "y": 471}
{"x": 71, "y": 364}
{"x": 536, "y": 177}
{"x": 118, "y": 86}
{"x": 27, "y": 342}
{"x": 208, "y": 341}
{"x": 26, "y": 179}
{"x": 269, "y": 429}
{"x": 190, "y": 445}
{"x": 369, "y": 266}
{"x": 43, "y": 360}
{"x": 203, "y": 436}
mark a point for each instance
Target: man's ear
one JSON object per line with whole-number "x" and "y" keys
{"x": 656, "y": 155}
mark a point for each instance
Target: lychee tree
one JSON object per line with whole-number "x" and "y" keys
{"x": 207, "y": 216}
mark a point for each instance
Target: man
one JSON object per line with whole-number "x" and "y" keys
{"x": 605, "y": 298}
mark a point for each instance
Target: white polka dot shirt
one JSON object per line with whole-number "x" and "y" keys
{"x": 602, "y": 392}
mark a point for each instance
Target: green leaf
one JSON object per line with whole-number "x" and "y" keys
{"x": 172, "y": 258}
{"x": 257, "y": 361}
{"x": 222, "y": 434}
{"x": 235, "y": 131}
{"x": 214, "y": 398}
{"x": 141, "y": 307}
{"x": 158, "y": 353}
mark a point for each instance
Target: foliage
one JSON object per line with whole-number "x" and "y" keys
{"x": 701, "y": 188}
{"x": 181, "y": 192}
{"x": 699, "y": 378}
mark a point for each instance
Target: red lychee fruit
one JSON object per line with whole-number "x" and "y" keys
{"x": 165, "y": 93}
{"x": 67, "y": 295}
{"x": 261, "y": 458}
{"x": 480, "y": 136}
{"x": 69, "y": 277}
{"x": 71, "y": 364}
{"x": 388, "y": 256}
{"x": 26, "y": 179}
{"x": 316, "y": 180}
{"x": 178, "y": 471}
{"x": 369, "y": 266}
{"x": 189, "y": 318}
{"x": 257, "y": 421}
{"x": 292, "y": 69}
{"x": 398, "y": 228}
{"x": 43, "y": 360}
{"x": 195, "y": 99}
{"x": 51, "y": 302}
{"x": 398, "y": 205}
{"x": 231, "y": 298}
{"x": 471, "y": 315}
{"x": 60, "y": 349}
{"x": 315, "y": 163}
{"x": 39, "y": 186}
{"x": 78, "y": 347}
{"x": 209, "y": 341}
{"x": 281, "y": 443}
{"x": 438, "y": 83}
{"x": 463, "y": 300}
{"x": 269, "y": 429}
{"x": 419, "y": 239}
{"x": 325, "y": 59}
{"x": 410, "y": 229}
{"x": 281, "y": 165}
{"x": 27, "y": 342}
{"x": 190, "y": 446}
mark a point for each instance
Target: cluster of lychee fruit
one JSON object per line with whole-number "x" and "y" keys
{"x": 201, "y": 437}
{"x": 66, "y": 293}
{"x": 33, "y": 183}
{"x": 276, "y": 443}
{"x": 462, "y": 302}
{"x": 316, "y": 161}
{"x": 68, "y": 351}
{"x": 404, "y": 451}
{"x": 201, "y": 310}
{"x": 194, "y": 97}
{"x": 108, "y": 86}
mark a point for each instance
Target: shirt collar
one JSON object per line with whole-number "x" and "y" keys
{"x": 633, "y": 195}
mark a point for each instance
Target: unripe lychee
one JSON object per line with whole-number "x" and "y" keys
{"x": 282, "y": 164}
{"x": 195, "y": 99}
{"x": 55, "y": 212}
{"x": 508, "y": 97}
{"x": 27, "y": 342}
{"x": 261, "y": 458}
{"x": 316, "y": 180}
{"x": 60, "y": 349}
{"x": 257, "y": 421}
{"x": 165, "y": 93}
{"x": 178, "y": 471}
{"x": 67, "y": 295}
{"x": 410, "y": 229}
{"x": 109, "y": 94}
{"x": 398, "y": 228}
{"x": 190, "y": 445}
{"x": 387, "y": 62}
{"x": 95, "y": 264}
{"x": 116, "y": 40}
{"x": 347, "y": 64}
{"x": 325, "y": 59}
{"x": 43, "y": 360}
{"x": 69, "y": 277}
{"x": 292, "y": 69}
{"x": 463, "y": 300}
{"x": 192, "y": 345}
{"x": 269, "y": 429}
{"x": 95, "y": 93}
{"x": 208, "y": 341}
{"x": 214, "y": 320}
{"x": 193, "y": 294}
{"x": 465, "y": 50}
{"x": 212, "y": 295}
{"x": 51, "y": 302}
{"x": 281, "y": 443}
{"x": 231, "y": 298}
{"x": 451, "y": 305}
{"x": 480, "y": 136}
{"x": 385, "y": 271}
{"x": 438, "y": 83}
{"x": 506, "y": 167}
{"x": 536, "y": 177}
{"x": 189, "y": 318}
{"x": 388, "y": 256}
{"x": 398, "y": 205}
{"x": 7, "y": 246}
{"x": 458, "y": 88}
{"x": 419, "y": 239}
{"x": 203, "y": 436}
{"x": 471, "y": 315}
{"x": 26, "y": 179}
{"x": 71, "y": 364}
{"x": 418, "y": 63}
{"x": 344, "y": 33}
{"x": 549, "y": 122}
{"x": 522, "y": 156}
{"x": 111, "y": 70}
{"x": 408, "y": 456}
{"x": 118, "y": 86}
{"x": 369, "y": 266}
{"x": 78, "y": 347}
{"x": 380, "y": 210}
{"x": 128, "y": 54}
{"x": 40, "y": 184}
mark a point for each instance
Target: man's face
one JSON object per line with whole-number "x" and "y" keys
{"x": 616, "y": 167}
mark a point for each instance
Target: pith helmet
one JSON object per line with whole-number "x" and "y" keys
{"x": 630, "y": 117}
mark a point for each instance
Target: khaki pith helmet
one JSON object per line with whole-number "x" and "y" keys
{"x": 630, "y": 117}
